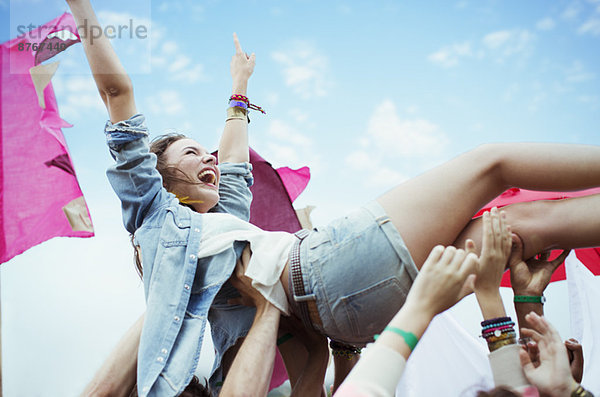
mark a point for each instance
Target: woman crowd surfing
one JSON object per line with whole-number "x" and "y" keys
{"x": 345, "y": 280}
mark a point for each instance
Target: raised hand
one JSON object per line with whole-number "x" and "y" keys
{"x": 249, "y": 295}
{"x": 495, "y": 251}
{"x": 242, "y": 64}
{"x": 553, "y": 375}
{"x": 531, "y": 277}
{"x": 575, "y": 351}
{"x": 442, "y": 280}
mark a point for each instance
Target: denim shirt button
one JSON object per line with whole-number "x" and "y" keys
{"x": 192, "y": 256}
{"x": 180, "y": 224}
{"x": 176, "y": 318}
{"x": 186, "y": 286}
{"x": 160, "y": 359}
{"x": 164, "y": 351}
{"x": 197, "y": 230}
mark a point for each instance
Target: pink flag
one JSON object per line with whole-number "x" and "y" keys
{"x": 271, "y": 209}
{"x": 40, "y": 196}
{"x": 590, "y": 257}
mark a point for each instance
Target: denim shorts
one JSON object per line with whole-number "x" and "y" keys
{"x": 359, "y": 271}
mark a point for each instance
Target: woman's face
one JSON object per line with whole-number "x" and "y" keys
{"x": 197, "y": 182}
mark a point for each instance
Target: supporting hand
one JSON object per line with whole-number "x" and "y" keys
{"x": 531, "y": 277}
{"x": 575, "y": 351}
{"x": 495, "y": 251}
{"x": 553, "y": 375}
{"x": 442, "y": 280}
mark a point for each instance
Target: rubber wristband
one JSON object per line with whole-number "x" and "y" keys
{"x": 284, "y": 338}
{"x": 529, "y": 299}
{"x": 410, "y": 339}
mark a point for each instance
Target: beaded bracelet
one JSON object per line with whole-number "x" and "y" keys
{"x": 342, "y": 350}
{"x": 496, "y": 330}
{"x": 495, "y": 321}
{"x": 498, "y": 344}
{"x": 497, "y": 325}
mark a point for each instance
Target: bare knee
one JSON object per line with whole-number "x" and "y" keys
{"x": 489, "y": 159}
{"x": 533, "y": 222}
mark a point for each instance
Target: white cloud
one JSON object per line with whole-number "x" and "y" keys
{"x": 166, "y": 102}
{"x": 450, "y": 55}
{"x": 591, "y": 26}
{"x": 498, "y": 45}
{"x": 577, "y": 73}
{"x": 305, "y": 69}
{"x": 572, "y": 10}
{"x": 78, "y": 96}
{"x": 545, "y": 24}
{"x": 506, "y": 43}
{"x": 179, "y": 66}
{"x": 282, "y": 131}
{"x": 394, "y": 136}
{"x": 395, "y": 148}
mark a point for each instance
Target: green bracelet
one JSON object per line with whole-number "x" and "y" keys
{"x": 410, "y": 339}
{"x": 529, "y": 299}
{"x": 284, "y": 339}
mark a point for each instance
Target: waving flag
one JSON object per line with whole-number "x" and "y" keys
{"x": 40, "y": 197}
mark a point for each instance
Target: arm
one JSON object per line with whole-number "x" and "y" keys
{"x": 111, "y": 79}
{"x": 251, "y": 370}
{"x": 530, "y": 278}
{"x": 234, "y": 141}
{"x": 495, "y": 251}
{"x": 306, "y": 357}
{"x": 445, "y": 278}
{"x": 117, "y": 375}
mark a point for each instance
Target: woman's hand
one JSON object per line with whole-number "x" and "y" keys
{"x": 531, "y": 277}
{"x": 443, "y": 280}
{"x": 242, "y": 67}
{"x": 495, "y": 251}
{"x": 553, "y": 375}
{"x": 249, "y": 295}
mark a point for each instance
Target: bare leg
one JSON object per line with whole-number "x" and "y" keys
{"x": 543, "y": 225}
{"x": 436, "y": 206}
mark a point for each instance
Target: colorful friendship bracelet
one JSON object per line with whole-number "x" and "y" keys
{"x": 243, "y": 98}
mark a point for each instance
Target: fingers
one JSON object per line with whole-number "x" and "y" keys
{"x": 488, "y": 233}
{"x": 238, "y": 46}
{"x": 470, "y": 246}
{"x": 526, "y": 362}
{"x": 434, "y": 256}
{"x": 560, "y": 259}
{"x": 516, "y": 255}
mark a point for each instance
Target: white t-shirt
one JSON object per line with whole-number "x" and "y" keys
{"x": 270, "y": 252}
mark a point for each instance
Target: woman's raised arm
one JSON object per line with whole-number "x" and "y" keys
{"x": 113, "y": 82}
{"x": 233, "y": 147}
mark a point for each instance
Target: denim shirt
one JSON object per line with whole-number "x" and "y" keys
{"x": 179, "y": 287}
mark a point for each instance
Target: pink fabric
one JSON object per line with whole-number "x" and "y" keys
{"x": 36, "y": 172}
{"x": 295, "y": 181}
{"x": 272, "y": 195}
{"x": 590, "y": 257}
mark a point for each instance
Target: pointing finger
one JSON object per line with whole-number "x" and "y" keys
{"x": 238, "y": 46}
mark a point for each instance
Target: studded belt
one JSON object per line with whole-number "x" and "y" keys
{"x": 305, "y": 305}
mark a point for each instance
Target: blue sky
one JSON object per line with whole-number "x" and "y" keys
{"x": 366, "y": 94}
